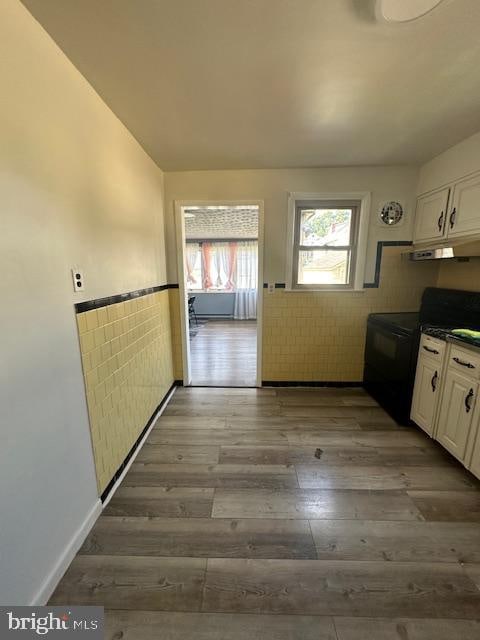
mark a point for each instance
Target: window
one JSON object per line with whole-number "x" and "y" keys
{"x": 325, "y": 244}
{"x": 193, "y": 263}
{"x": 221, "y": 266}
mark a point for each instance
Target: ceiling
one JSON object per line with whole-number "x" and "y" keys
{"x": 221, "y": 222}
{"x": 224, "y": 84}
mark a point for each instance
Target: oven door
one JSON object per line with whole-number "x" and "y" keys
{"x": 389, "y": 369}
{"x": 388, "y": 352}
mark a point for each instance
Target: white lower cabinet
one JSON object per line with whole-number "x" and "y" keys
{"x": 474, "y": 464}
{"x": 425, "y": 396}
{"x": 445, "y": 398}
{"x": 456, "y": 412}
{"x": 428, "y": 379}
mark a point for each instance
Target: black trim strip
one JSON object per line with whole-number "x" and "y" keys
{"x": 310, "y": 383}
{"x": 89, "y": 305}
{"x": 378, "y": 262}
{"x": 153, "y": 417}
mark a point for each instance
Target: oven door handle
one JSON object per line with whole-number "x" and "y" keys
{"x": 397, "y": 335}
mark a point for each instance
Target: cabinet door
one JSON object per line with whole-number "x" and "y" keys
{"x": 425, "y": 394}
{"x": 475, "y": 461}
{"x": 456, "y": 411}
{"x": 430, "y": 216}
{"x": 464, "y": 215}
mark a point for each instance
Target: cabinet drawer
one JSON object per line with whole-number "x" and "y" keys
{"x": 464, "y": 361}
{"x": 432, "y": 348}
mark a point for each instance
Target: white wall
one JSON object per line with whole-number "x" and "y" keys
{"x": 272, "y": 186}
{"x": 76, "y": 189}
{"x": 452, "y": 164}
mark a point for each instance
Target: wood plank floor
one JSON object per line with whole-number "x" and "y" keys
{"x": 224, "y": 353}
{"x": 289, "y": 514}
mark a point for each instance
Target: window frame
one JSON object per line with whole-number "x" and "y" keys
{"x": 351, "y": 248}
{"x": 363, "y": 200}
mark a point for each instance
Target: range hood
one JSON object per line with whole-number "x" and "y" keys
{"x": 448, "y": 251}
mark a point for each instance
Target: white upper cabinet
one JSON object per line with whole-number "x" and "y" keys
{"x": 431, "y": 215}
{"x": 450, "y": 212}
{"x": 464, "y": 214}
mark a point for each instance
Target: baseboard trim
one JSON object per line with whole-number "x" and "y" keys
{"x": 51, "y": 581}
{"x": 311, "y": 383}
{"x": 137, "y": 445}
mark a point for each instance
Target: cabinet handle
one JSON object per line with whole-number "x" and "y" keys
{"x": 434, "y": 381}
{"x": 430, "y": 350}
{"x": 468, "y": 398}
{"x": 440, "y": 221}
{"x": 453, "y": 215}
{"x": 469, "y": 365}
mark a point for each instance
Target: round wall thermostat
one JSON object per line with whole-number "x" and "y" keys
{"x": 391, "y": 213}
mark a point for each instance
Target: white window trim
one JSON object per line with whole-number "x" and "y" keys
{"x": 365, "y": 199}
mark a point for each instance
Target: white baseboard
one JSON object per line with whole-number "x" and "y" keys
{"x": 68, "y": 554}
{"x": 50, "y": 583}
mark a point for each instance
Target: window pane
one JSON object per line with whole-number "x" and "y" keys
{"x": 247, "y": 265}
{"x": 323, "y": 227}
{"x": 218, "y": 275}
{"x": 323, "y": 267}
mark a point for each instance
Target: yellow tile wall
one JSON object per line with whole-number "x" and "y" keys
{"x": 127, "y": 364}
{"x": 321, "y": 335}
{"x": 460, "y": 275}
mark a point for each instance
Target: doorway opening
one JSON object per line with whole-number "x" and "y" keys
{"x": 221, "y": 284}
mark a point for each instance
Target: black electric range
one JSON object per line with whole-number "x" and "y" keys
{"x": 392, "y": 344}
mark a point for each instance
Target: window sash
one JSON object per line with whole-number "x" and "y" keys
{"x": 351, "y": 248}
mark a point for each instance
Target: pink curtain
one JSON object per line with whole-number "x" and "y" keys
{"x": 232, "y": 266}
{"x": 206, "y": 262}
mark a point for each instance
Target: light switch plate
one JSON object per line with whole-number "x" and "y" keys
{"x": 78, "y": 280}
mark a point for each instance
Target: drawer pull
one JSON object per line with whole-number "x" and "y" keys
{"x": 468, "y": 399}
{"x": 469, "y": 365}
{"x": 434, "y": 381}
{"x": 430, "y": 350}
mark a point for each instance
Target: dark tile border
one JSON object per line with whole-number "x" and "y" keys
{"x": 153, "y": 417}
{"x": 310, "y": 383}
{"x": 378, "y": 265}
{"x": 89, "y": 305}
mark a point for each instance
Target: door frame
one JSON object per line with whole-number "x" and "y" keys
{"x": 179, "y": 205}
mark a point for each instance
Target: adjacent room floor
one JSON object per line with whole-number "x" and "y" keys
{"x": 224, "y": 353}
{"x": 290, "y": 514}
